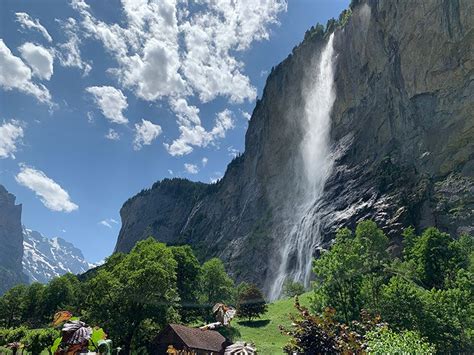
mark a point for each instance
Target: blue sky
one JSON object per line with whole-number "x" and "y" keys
{"x": 100, "y": 99}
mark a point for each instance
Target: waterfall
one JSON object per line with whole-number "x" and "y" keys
{"x": 302, "y": 237}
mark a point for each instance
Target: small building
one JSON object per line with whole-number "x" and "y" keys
{"x": 182, "y": 340}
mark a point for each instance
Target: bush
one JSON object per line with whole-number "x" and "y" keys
{"x": 322, "y": 334}
{"x": 292, "y": 289}
{"x": 386, "y": 341}
{"x": 36, "y": 340}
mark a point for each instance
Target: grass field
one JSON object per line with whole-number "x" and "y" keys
{"x": 264, "y": 332}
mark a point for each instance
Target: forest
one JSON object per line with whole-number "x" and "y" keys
{"x": 367, "y": 296}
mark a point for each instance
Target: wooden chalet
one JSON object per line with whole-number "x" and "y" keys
{"x": 178, "y": 339}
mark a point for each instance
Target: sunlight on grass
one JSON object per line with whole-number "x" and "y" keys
{"x": 264, "y": 332}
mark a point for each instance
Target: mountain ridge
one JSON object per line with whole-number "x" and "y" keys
{"x": 45, "y": 258}
{"x": 27, "y": 256}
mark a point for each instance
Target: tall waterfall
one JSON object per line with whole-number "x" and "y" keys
{"x": 303, "y": 236}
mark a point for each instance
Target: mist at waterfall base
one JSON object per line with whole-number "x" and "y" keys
{"x": 316, "y": 161}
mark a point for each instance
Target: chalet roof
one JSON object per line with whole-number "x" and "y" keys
{"x": 196, "y": 338}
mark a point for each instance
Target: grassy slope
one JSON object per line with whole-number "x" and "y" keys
{"x": 264, "y": 332}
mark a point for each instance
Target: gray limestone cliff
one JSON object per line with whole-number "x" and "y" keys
{"x": 402, "y": 134}
{"x": 11, "y": 242}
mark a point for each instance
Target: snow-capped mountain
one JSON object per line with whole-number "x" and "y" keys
{"x": 45, "y": 258}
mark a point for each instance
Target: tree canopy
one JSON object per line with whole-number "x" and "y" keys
{"x": 132, "y": 296}
{"x": 251, "y": 303}
{"x": 428, "y": 289}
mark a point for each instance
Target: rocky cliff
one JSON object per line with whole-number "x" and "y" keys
{"x": 402, "y": 136}
{"x": 11, "y": 242}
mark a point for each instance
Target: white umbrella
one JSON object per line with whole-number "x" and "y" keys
{"x": 240, "y": 348}
{"x": 223, "y": 313}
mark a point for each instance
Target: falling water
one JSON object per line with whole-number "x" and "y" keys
{"x": 303, "y": 237}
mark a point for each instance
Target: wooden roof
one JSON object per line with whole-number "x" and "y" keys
{"x": 198, "y": 339}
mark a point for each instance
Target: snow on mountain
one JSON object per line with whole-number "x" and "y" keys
{"x": 45, "y": 258}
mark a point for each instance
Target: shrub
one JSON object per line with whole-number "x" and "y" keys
{"x": 323, "y": 334}
{"x": 386, "y": 341}
{"x": 292, "y": 289}
{"x": 36, "y": 340}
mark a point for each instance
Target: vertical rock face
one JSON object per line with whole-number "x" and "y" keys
{"x": 11, "y": 242}
{"x": 402, "y": 136}
{"x": 405, "y": 100}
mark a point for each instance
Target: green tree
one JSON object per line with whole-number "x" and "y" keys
{"x": 292, "y": 288}
{"x": 61, "y": 293}
{"x": 32, "y": 305}
{"x": 217, "y": 286}
{"x": 11, "y": 306}
{"x": 241, "y": 287}
{"x": 338, "y": 277}
{"x": 188, "y": 276}
{"x": 375, "y": 259}
{"x": 433, "y": 292}
{"x": 402, "y": 304}
{"x": 350, "y": 275}
{"x": 432, "y": 255}
{"x": 251, "y": 303}
{"x": 134, "y": 288}
{"x": 448, "y": 319}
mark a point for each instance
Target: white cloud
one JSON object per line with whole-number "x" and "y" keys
{"x": 39, "y": 59}
{"x": 216, "y": 177}
{"x": 26, "y": 21}
{"x": 146, "y": 50}
{"x": 10, "y": 136}
{"x": 163, "y": 50}
{"x": 51, "y": 194}
{"x": 108, "y": 222}
{"x": 213, "y": 35}
{"x": 246, "y": 115}
{"x": 192, "y": 132}
{"x": 223, "y": 123}
{"x": 145, "y": 133}
{"x": 16, "y": 75}
{"x": 170, "y": 172}
{"x": 191, "y": 168}
{"x": 69, "y": 53}
{"x": 233, "y": 152}
{"x": 204, "y": 161}
{"x": 112, "y": 135}
{"x": 90, "y": 117}
{"x": 105, "y": 223}
{"x": 111, "y": 102}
